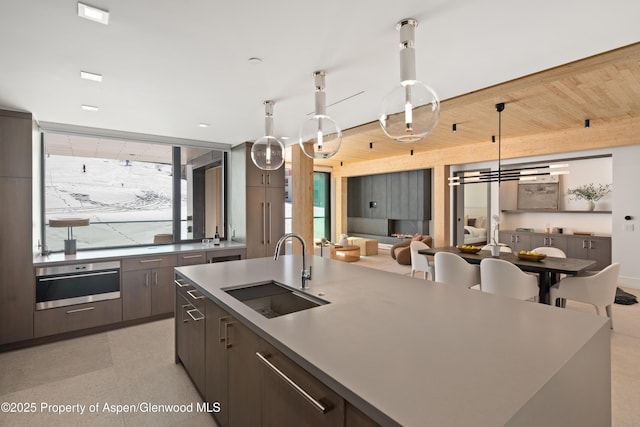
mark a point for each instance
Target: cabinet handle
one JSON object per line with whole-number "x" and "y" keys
{"x": 144, "y": 261}
{"x": 513, "y": 238}
{"x": 146, "y": 280}
{"x": 191, "y": 294}
{"x": 550, "y": 241}
{"x": 223, "y": 337}
{"x": 268, "y": 179}
{"x": 155, "y": 278}
{"x": 193, "y": 317}
{"x": 226, "y": 335}
{"x": 584, "y": 244}
{"x": 517, "y": 239}
{"x": 590, "y": 244}
{"x": 180, "y": 283}
{"x": 264, "y": 223}
{"x": 262, "y": 178}
{"x": 78, "y": 310}
{"x": 185, "y": 320}
{"x": 192, "y": 256}
{"x": 76, "y": 276}
{"x": 319, "y": 406}
{"x": 269, "y": 223}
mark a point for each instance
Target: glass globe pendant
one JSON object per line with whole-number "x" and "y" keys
{"x": 410, "y": 111}
{"x": 320, "y": 136}
{"x": 267, "y": 152}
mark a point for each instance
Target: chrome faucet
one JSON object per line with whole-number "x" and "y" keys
{"x": 306, "y": 274}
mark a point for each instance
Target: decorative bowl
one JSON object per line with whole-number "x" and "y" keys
{"x": 471, "y": 250}
{"x": 526, "y": 257}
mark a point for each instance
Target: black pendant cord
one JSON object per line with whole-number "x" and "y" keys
{"x": 499, "y": 109}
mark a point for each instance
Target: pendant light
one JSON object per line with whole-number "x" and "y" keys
{"x": 320, "y": 136}
{"x": 267, "y": 152}
{"x": 411, "y": 110}
{"x": 529, "y": 173}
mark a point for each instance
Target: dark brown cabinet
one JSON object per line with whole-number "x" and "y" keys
{"x": 517, "y": 241}
{"x": 147, "y": 286}
{"x": 190, "y": 334}
{"x": 76, "y": 317}
{"x": 551, "y": 241}
{"x": 591, "y": 247}
{"x": 17, "y": 297}
{"x": 256, "y": 204}
{"x": 217, "y": 378}
{"x": 291, "y": 396}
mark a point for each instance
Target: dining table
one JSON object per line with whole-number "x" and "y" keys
{"x": 548, "y": 269}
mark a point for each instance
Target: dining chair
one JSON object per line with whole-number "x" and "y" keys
{"x": 420, "y": 262}
{"x": 597, "y": 289}
{"x": 453, "y": 269}
{"x": 550, "y": 251}
{"x": 501, "y": 277}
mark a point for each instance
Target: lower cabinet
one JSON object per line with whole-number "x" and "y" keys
{"x": 232, "y": 374}
{"x": 593, "y": 248}
{"x": 247, "y": 379}
{"x": 291, "y": 396}
{"x": 517, "y": 241}
{"x": 190, "y": 335}
{"x": 539, "y": 240}
{"x": 147, "y": 286}
{"x": 76, "y": 317}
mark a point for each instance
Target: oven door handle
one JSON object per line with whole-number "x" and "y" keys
{"x": 75, "y": 276}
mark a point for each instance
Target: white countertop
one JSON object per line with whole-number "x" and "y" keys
{"x": 405, "y": 350}
{"x": 116, "y": 253}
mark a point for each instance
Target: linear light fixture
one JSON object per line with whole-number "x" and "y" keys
{"x": 93, "y": 13}
{"x": 89, "y": 107}
{"x": 499, "y": 175}
{"x": 91, "y": 76}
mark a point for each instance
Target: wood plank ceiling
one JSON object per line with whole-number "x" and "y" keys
{"x": 603, "y": 88}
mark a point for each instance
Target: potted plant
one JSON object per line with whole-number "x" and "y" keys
{"x": 589, "y": 192}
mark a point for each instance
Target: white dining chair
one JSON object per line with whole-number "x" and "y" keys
{"x": 420, "y": 262}
{"x": 501, "y": 277}
{"x": 597, "y": 289}
{"x": 550, "y": 251}
{"x": 453, "y": 269}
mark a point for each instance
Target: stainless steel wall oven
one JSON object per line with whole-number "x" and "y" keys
{"x": 76, "y": 284}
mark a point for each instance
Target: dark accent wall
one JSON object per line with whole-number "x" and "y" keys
{"x": 383, "y": 204}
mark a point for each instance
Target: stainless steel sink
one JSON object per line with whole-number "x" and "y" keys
{"x": 273, "y": 299}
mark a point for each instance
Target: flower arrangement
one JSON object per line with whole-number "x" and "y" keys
{"x": 496, "y": 230}
{"x": 589, "y": 192}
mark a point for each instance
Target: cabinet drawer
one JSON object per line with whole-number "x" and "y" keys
{"x": 143, "y": 263}
{"x": 76, "y": 317}
{"x": 193, "y": 297}
{"x": 192, "y": 258}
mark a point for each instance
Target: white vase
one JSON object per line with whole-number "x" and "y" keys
{"x": 591, "y": 205}
{"x": 495, "y": 251}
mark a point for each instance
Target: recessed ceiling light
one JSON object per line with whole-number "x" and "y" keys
{"x": 203, "y": 125}
{"x": 93, "y": 13}
{"x": 91, "y": 76}
{"x": 89, "y": 108}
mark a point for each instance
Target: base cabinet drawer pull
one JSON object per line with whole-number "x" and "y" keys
{"x": 191, "y": 293}
{"x": 223, "y": 336}
{"x": 200, "y": 316}
{"x": 78, "y": 310}
{"x": 192, "y": 256}
{"x": 319, "y": 406}
{"x": 180, "y": 283}
{"x": 144, "y": 261}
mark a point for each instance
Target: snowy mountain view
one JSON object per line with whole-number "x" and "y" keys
{"x": 127, "y": 202}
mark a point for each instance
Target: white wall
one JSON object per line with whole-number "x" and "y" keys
{"x": 624, "y": 200}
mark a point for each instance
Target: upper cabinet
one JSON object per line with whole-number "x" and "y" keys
{"x": 15, "y": 144}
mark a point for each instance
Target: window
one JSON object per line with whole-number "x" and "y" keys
{"x": 127, "y": 191}
{"x": 321, "y": 204}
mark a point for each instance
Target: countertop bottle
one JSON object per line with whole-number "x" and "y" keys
{"x": 216, "y": 238}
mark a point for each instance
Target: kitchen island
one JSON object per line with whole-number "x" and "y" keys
{"x": 410, "y": 352}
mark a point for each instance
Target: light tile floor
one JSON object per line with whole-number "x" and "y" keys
{"x": 136, "y": 365}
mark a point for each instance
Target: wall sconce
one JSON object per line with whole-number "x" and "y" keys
{"x": 320, "y": 136}
{"x": 411, "y": 110}
{"x": 267, "y": 152}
